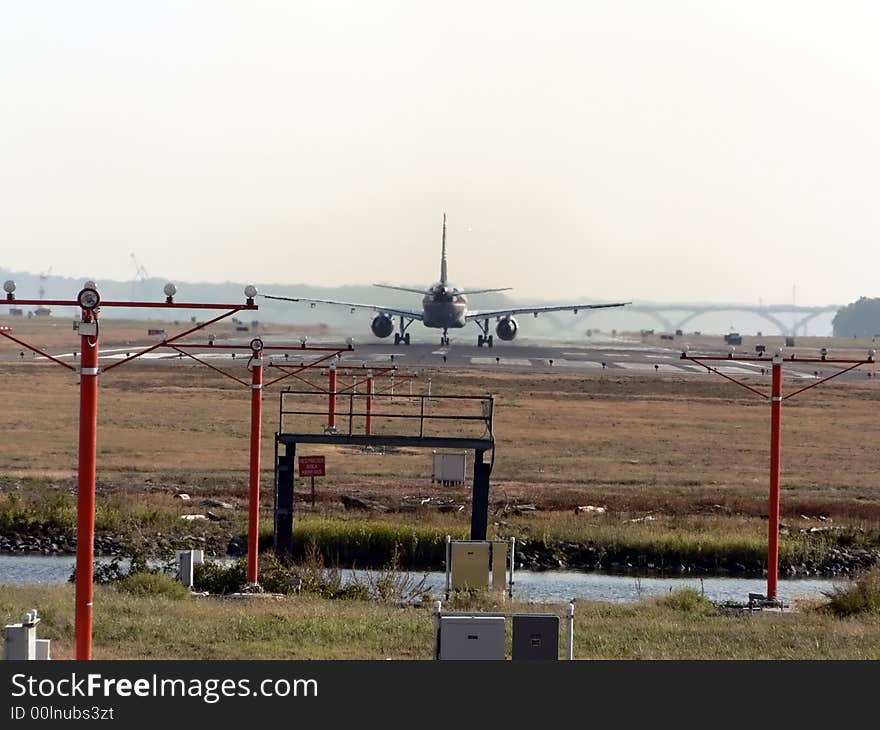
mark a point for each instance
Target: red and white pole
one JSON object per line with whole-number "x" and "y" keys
{"x": 775, "y": 473}
{"x": 85, "y": 509}
{"x": 254, "y": 492}
{"x": 369, "y": 424}
{"x": 331, "y": 407}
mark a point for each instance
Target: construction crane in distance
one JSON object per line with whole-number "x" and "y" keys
{"x": 43, "y": 276}
{"x": 139, "y": 271}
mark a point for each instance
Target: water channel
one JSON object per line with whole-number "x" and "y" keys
{"x": 529, "y": 586}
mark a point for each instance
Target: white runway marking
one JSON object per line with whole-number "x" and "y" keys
{"x": 378, "y": 356}
{"x": 511, "y": 361}
{"x": 647, "y": 367}
{"x": 584, "y": 364}
{"x": 732, "y": 370}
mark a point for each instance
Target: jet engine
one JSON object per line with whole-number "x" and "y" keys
{"x": 382, "y": 325}
{"x": 506, "y": 329}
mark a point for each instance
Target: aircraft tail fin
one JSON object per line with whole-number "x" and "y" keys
{"x": 443, "y": 278}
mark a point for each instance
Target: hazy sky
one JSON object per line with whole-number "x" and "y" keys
{"x": 674, "y": 150}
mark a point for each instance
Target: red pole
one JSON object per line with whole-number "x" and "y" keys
{"x": 369, "y": 404}
{"x": 331, "y": 408}
{"x": 254, "y": 499}
{"x": 775, "y": 472}
{"x": 85, "y": 510}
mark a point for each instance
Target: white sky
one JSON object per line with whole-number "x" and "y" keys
{"x": 675, "y": 150}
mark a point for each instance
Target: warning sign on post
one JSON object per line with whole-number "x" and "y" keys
{"x": 311, "y": 466}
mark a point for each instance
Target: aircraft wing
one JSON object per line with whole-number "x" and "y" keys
{"x": 392, "y": 311}
{"x": 490, "y": 313}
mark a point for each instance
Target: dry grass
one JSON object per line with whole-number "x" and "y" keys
{"x": 691, "y": 452}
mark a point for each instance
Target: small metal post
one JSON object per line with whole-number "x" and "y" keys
{"x": 331, "y": 405}
{"x": 512, "y": 557}
{"x": 571, "y": 630}
{"x": 448, "y": 562}
{"x": 775, "y": 474}
{"x": 254, "y": 491}
{"x": 437, "y": 607}
{"x": 369, "y": 422}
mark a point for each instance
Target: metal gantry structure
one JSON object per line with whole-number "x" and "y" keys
{"x": 776, "y": 399}
{"x": 90, "y": 304}
{"x": 413, "y": 416}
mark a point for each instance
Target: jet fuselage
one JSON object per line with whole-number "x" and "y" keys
{"x": 444, "y": 308}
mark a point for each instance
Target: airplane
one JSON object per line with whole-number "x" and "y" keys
{"x": 445, "y": 307}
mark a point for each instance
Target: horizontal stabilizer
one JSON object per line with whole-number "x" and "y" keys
{"x": 402, "y": 288}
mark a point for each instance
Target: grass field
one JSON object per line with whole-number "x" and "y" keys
{"x": 304, "y": 627}
{"x": 680, "y": 463}
{"x": 679, "y": 466}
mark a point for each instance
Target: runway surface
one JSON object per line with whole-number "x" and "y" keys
{"x": 618, "y": 356}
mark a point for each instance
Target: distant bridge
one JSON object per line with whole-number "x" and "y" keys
{"x": 672, "y": 317}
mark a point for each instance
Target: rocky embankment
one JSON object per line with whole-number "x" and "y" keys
{"x": 47, "y": 539}
{"x": 544, "y": 555}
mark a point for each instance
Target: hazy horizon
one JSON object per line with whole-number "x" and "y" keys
{"x": 699, "y": 152}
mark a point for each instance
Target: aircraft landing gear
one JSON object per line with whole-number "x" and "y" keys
{"x": 403, "y": 335}
{"x": 485, "y": 338}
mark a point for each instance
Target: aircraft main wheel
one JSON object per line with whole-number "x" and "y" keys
{"x": 479, "y": 340}
{"x": 406, "y": 338}
{"x": 396, "y": 338}
{"x": 491, "y": 340}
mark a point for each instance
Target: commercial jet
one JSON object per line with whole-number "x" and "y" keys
{"x": 445, "y": 307}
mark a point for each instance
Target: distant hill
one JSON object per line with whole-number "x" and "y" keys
{"x": 859, "y": 319}
{"x": 356, "y": 324}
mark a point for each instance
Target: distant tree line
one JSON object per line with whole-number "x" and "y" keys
{"x": 859, "y": 319}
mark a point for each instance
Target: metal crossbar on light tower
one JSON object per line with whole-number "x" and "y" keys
{"x": 776, "y": 399}
{"x": 90, "y": 303}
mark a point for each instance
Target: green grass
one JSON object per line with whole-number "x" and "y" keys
{"x": 678, "y": 626}
{"x": 365, "y": 543}
{"x": 153, "y": 584}
{"x": 861, "y": 596}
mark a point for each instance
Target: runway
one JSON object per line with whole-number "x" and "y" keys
{"x": 620, "y": 357}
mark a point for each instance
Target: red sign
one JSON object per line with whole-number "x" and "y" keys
{"x": 311, "y": 466}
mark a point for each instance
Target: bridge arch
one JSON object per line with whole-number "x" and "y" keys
{"x": 652, "y": 313}
{"x": 804, "y": 321}
{"x": 775, "y": 321}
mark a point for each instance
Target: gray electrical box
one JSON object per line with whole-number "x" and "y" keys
{"x": 536, "y": 636}
{"x": 449, "y": 468}
{"x": 471, "y": 637}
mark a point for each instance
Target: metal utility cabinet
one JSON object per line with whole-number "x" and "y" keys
{"x": 449, "y": 468}
{"x": 470, "y": 637}
{"x": 536, "y": 636}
